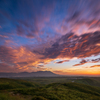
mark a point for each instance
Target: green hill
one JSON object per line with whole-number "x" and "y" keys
{"x": 94, "y": 81}
{"x": 25, "y": 90}
{"x": 6, "y": 83}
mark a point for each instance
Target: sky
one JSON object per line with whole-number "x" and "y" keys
{"x": 61, "y": 36}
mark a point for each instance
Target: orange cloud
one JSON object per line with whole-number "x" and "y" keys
{"x": 98, "y": 44}
{"x": 94, "y": 66}
{"x": 68, "y": 46}
{"x": 21, "y": 58}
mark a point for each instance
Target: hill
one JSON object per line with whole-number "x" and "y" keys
{"x": 6, "y": 84}
{"x": 14, "y": 89}
{"x": 93, "y": 81}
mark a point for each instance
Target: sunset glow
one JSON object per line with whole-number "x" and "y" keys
{"x": 62, "y": 36}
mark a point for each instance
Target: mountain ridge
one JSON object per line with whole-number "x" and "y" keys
{"x": 29, "y": 74}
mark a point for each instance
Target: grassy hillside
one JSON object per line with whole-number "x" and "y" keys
{"x": 25, "y": 90}
{"x": 46, "y": 80}
{"x": 94, "y": 81}
{"x": 6, "y": 83}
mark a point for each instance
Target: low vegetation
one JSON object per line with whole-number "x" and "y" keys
{"x": 16, "y": 89}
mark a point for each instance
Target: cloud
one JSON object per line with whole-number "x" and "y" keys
{"x": 7, "y": 68}
{"x": 30, "y": 35}
{"x": 88, "y": 61}
{"x": 9, "y": 42}
{"x": 28, "y": 19}
{"x": 67, "y": 46}
{"x": 21, "y": 58}
{"x": 7, "y": 54}
{"x": 59, "y": 62}
{"x": 98, "y": 44}
{"x": 94, "y": 66}
{"x": 71, "y": 45}
{"x": 75, "y": 16}
{"x": 3, "y": 36}
{"x": 82, "y": 17}
{"x": 95, "y": 60}
{"x": 81, "y": 63}
{"x": 44, "y": 33}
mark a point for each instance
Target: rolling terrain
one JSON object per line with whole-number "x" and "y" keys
{"x": 54, "y": 89}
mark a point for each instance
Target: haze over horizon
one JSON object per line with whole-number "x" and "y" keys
{"x": 61, "y": 36}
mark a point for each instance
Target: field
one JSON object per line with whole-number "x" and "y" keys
{"x": 52, "y": 88}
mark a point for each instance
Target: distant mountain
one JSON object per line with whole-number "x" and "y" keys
{"x": 27, "y": 74}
